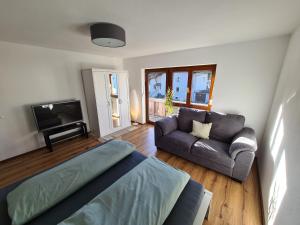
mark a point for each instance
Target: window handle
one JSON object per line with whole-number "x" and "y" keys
{"x": 188, "y": 90}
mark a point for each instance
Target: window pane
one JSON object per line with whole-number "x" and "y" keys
{"x": 157, "y": 85}
{"x": 201, "y": 81}
{"x": 180, "y": 82}
{"x": 157, "y": 94}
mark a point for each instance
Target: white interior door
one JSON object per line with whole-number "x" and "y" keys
{"x": 124, "y": 99}
{"x": 113, "y": 89}
{"x": 103, "y": 102}
{"x": 112, "y": 98}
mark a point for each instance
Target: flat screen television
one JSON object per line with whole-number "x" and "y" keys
{"x": 56, "y": 114}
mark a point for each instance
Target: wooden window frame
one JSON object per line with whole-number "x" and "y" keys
{"x": 169, "y": 83}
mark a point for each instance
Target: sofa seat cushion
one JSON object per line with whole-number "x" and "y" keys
{"x": 177, "y": 141}
{"x": 224, "y": 126}
{"x": 214, "y": 151}
{"x": 186, "y": 117}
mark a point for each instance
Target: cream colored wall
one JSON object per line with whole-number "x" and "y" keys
{"x": 279, "y": 165}
{"x": 246, "y": 75}
{"x": 30, "y": 75}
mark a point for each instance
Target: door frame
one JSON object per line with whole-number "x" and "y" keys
{"x": 147, "y": 71}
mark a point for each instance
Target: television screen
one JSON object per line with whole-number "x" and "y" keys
{"x": 56, "y": 114}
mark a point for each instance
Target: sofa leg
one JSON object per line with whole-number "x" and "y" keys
{"x": 239, "y": 181}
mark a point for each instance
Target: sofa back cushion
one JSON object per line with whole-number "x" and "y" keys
{"x": 186, "y": 117}
{"x": 224, "y": 126}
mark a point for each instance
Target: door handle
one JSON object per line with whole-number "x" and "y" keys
{"x": 120, "y": 101}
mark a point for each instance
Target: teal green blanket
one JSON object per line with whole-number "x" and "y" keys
{"x": 43, "y": 191}
{"x": 143, "y": 196}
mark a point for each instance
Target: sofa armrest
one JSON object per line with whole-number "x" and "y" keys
{"x": 242, "y": 165}
{"x": 245, "y": 140}
{"x": 167, "y": 125}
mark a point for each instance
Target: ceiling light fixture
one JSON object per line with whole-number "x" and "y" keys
{"x": 108, "y": 35}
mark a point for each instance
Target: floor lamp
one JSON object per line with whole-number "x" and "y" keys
{"x": 135, "y": 110}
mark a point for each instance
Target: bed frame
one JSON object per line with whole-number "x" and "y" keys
{"x": 203, "y": 211}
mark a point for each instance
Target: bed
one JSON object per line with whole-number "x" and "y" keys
{"x": 191, "y": 207}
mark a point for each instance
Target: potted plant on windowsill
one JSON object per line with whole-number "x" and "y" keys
{"x": 169, "y": 103}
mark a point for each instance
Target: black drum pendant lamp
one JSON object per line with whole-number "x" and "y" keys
{"x": 108, "y": 35}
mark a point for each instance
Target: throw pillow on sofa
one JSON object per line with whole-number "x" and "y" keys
{"x": 201, "y": 130}
{"x": 186, "y": 117}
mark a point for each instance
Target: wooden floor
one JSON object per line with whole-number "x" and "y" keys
{"x": 233, "y": 203}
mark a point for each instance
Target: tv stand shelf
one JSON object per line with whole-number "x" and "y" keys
{"x": 81, "y": 130}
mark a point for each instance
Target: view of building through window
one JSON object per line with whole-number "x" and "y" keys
{"x": 201, "y": 81}
{"x": 192, "y": 87}
{"x": 180, "y": 83}
{"x": 157, "y": 85}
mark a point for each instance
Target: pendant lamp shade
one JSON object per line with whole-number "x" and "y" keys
{"x": 108, "y": 35}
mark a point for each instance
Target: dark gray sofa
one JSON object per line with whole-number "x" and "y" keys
{"x": 229, "y": 150}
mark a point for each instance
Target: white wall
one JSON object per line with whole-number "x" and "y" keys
{"x": 245, "y": 79}
{"x": 31, "y": 75}
{"x": 279, "y": 164}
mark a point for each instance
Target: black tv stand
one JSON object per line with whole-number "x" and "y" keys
{"x": 82, "y": 131}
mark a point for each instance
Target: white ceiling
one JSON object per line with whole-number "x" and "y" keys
{"x": 152, "y": 26}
